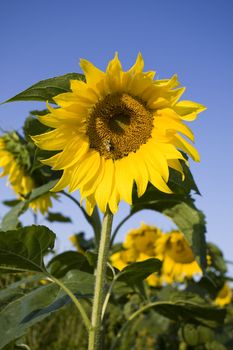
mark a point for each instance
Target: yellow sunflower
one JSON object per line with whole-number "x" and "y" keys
{"x": 224, "y": 296}
{"x": 139, "y": 245}
{"x": 178, "y": 259}
{"x": 124, "y": 257}
{"x": 117, "y": 128}
{"x": 143, "y": 240}
{"x": 21, "y": 183}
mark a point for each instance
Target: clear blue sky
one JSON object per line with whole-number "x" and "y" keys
{"x": 46, "y": 38}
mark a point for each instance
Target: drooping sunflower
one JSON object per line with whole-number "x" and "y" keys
{"x": 14, "y": 161}
{"x": 178, "y": 259}
{"x": 224, "y": 296}
{"x": 116, "y": 128}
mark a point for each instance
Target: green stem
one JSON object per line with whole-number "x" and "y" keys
{"x": 22, "y": 346}
{"x": 99, "y": 293}
{"x": 75, "y": 300}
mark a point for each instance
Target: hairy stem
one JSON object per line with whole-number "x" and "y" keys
{"x": 99, "y": 293}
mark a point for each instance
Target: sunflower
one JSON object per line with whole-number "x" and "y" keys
{"x": 117, "y": 128}
{"x": 12, "y": 162}
{"x": 139, "y": 245}
{"x": 124, "y": 257}
{"x": 143, "y": 240}
{"x": 178, "y": 259}
{"x": 224, "y": 296}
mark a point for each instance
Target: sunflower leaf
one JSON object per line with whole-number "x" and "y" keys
{"x": 138, "y": 271}
{"x": 10, "y": 220}
{"x": 32, "y": 127}
{"x": 23, "y": 249}
{"x": 182, "y": 187}
{"x": 18, "y": 289}
{"x": 57, "y": 217}
{"x": 11, "y": 203}
{"x": 46, "y": 89}
{"x": 40, "y": 303}
{"x": 67, "y": 261}
{"x": 183, "y": 310}
{"x": 182, "y": 211}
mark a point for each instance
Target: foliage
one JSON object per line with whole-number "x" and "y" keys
{"x": 41, "y": 288}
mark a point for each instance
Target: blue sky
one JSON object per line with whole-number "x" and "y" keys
{"x": 42, "y": 39}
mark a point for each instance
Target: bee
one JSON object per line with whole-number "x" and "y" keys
{"x": 109, "y": 147}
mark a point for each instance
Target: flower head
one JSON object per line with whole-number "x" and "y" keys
{"x": 178, "y": 259}
{"x": 117, "y": 128}
{"x": 124, "y": 257}
{"x": 224, "y": 296}
{"x": 143, "y": 239}
{"x": 14, "y": 159}
{"x": 139, "y": 245}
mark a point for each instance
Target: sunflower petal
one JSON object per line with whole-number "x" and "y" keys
{"x": 92, "y": 73}
{"x": 138, "y": 65}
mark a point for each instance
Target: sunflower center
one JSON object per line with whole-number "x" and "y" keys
{"x": 180, "y": 252}
{"x": 118, "y": 125}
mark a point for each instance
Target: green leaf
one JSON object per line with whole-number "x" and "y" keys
{"x": 26, "y": 311}
{"x": 40, "y": 191}
{"x": 182, "y": 187}
{"x": 18, "y": 289}
{"x": 182, "y": 211}
{"x": 45, "y": 90}
{"x": 217, "y": 258}
{"x": 67, "y": 261}
{"x": 40, "y": 154}
{"x": 10, "y": 346}
{"x": 191, "y": 222}
{"x": 23, "y": 249}
{"x": 57, "y": 217}
{"x": 138, "y": 271}
{"x": 11, "y": 203}
{"x": 10, "y": 220}
{"x": 32, "y": 127}
{"x": 183, "y": 310}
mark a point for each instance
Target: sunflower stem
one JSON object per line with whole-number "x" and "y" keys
{"x": 99, "y": 293}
